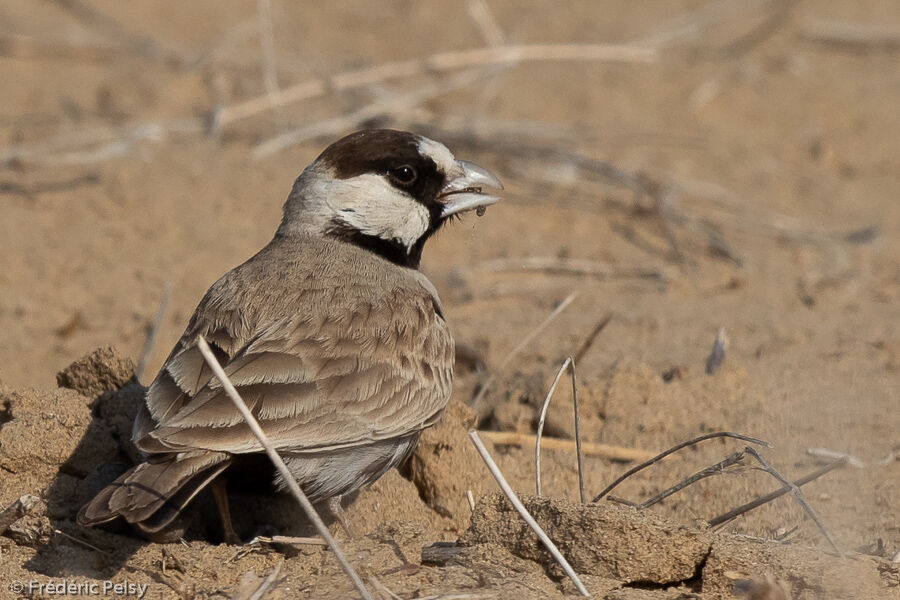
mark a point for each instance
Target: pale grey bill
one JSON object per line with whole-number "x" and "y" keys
{"x": 469, "y": 175}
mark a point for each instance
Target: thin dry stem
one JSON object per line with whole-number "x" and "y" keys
{"x": 288, "y": 540}
{"x": 744, "y": 508}
{"x": 520, "y": 508}
{"x": 267, "y": 47}
{"x": 330, "y": 127}
{"x": 592, "y": 337}
{"x": 797, "y": 494}
{"x": 607, "y": 451}
{"x": 436, "y": 63}
{"x": 540, "y": 425}
{"x": 567, "y": 266}
{"x": 478, "y": 401}
{"x": 834, "y": 455}
{"x": 80, "y": 541}
{"x": 294, "y": 488}
{"x": 676, "y": 448}
{"x": 486, "y": 22}
{"x": 578, "y": 449}
{"x": 716, "y": 469}
{"x": 854, "y": 36}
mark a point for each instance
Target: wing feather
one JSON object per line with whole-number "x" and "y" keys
{"x": 325, "y": 375}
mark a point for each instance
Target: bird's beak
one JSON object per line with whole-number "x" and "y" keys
{"x": 463, "y": 190}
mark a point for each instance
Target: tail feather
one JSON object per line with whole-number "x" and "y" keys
{"x": 152, "y": 493}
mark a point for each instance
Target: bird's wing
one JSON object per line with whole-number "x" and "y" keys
{"x": 323, "y": 374}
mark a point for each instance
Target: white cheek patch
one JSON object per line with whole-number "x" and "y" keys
{"x": 438, "y": 152}
{"x": 369, "y": 204}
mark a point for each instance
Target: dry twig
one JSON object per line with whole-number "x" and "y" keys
{"x": 855, "y": 36}
{"x": 294, "y": 488}
{"x": 610, "y": 452}
{"x": 520, "y": 508}
{"x": 478, "y": 402}
{"x": 567, "y": 266}
{"x": 79, "y": 541}
{"x": 716, "y": 469}
{"x": 676, "y": 448}
{"x": 379, "y": 108}
{"x": 797, "y": 494}
{"x": 834, "y": 455}
{"x": 744, "y": 508}
{"x": 592, "y": 336}
{"x": 436, "y": 63}
{"x": 267, "y": 46}
{"x": 540, "y": 425}
{"x": 570, "y": 364}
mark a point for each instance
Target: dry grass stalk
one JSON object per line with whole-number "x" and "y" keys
{"x": 379, "y": 108}
{"x": 855, "y": 36}
{"x": 744, "y": 508}
{"x": 798, "y": 495}
{"x": 835, "y": 455}
{"x": 96, "y": 145}
{"x": 520, "y": 508}
{"x": 578, "y": 449}
{"x": 566, "y": 266}
{"x": 486, "y": 22}
{"x": 17, "y": 510}
{"x": 288, "y": 540}
{"x": 540, "y": 426}
{"x": 294, "y": 488}
{"x": 568, "y": 364}
{"x": 267, "y": 46}
{"x": 436, "y": 63}
{"x": 27, "y": 48}
{"x": 478, "y": 401}
{"x": 592, "y": 337}
{"x": 716, "y": 469}
{"x": 676, "y": 448}
{"x": 79, "y": 541}
{"x": 610, "y": 452}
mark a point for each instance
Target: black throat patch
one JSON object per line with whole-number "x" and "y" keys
{"x": 390, "y": 250}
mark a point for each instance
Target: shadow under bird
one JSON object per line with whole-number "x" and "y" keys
{"x": 335, "y": 340}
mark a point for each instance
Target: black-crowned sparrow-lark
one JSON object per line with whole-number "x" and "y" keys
{"x": 335, "y": 340}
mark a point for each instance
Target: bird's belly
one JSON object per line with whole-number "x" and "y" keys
{"x": 324, "y": 475}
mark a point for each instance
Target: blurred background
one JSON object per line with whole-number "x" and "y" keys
{"x": 679, "y": 166}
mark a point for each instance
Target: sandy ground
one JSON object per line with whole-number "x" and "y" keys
{"x": 767, "y": 136}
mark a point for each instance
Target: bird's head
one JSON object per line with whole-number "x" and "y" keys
{"x": 385, "y": 190}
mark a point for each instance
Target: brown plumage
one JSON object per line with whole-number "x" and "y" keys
{"x": 335, "y": 341}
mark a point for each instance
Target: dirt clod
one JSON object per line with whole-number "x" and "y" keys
{"x": 100, "y": 371}
{"x": 605, "y": 540}
{"x": 445, "y": 465}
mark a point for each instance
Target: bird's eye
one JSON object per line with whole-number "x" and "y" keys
{"x": 404, "y": 175}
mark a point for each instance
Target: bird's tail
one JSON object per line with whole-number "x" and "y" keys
{"x": 151, "y": 494}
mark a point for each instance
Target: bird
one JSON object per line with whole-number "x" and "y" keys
{"x": 334, "y": 338}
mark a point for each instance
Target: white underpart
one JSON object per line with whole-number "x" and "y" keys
{"x": 371, "y": 205}
{"x": 439, "y": 153}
